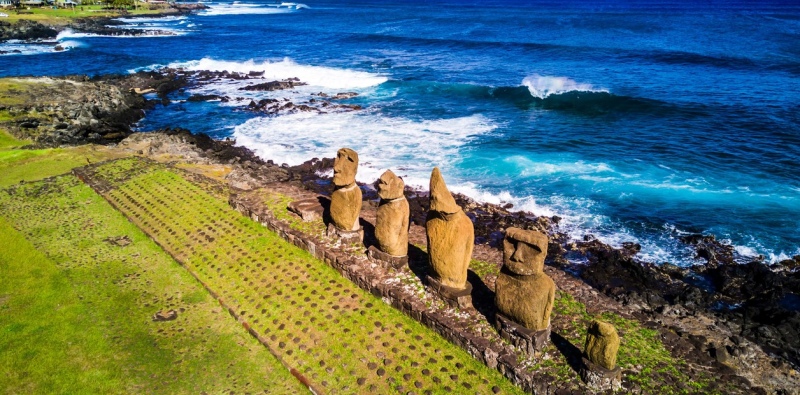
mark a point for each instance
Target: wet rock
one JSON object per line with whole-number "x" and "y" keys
{"x": 274, "y": 85}
{"x": 199, "y": 98}
{"x": 25, "y": 30}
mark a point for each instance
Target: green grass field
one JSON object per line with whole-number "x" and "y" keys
{"x": 62, "y": 16}
{"x": 80, "y": 285}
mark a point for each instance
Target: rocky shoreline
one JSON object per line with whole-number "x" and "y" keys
{"x": 743, "y": 316}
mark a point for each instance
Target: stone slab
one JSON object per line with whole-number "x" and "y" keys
{"x": 600, "y": 378}
{"x": 461, "y": 298}
{"x": 529, "y": 341}
{"x": 346, "y": 236}
{"x": 396, "y": 262}
{"x": 308, "y": 209}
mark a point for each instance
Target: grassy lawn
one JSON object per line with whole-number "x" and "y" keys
{"x": 62, "y": 16}
{"x": 80, "y": 285}
{"x": 342, "y": 339}
{"x": 18, "y": 164}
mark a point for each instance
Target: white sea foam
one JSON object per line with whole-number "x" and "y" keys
{"x": 753, "y": 249}
{"x": 147, "y": 31}
{"x": 159, "y": 20}
{"x": 527, "y": 167}
{"x": 69, "y": 33}
{"x": 69, "y": 44}
{"x": 24, "y": 49}
{"x": 543, "y": 86}
{"x": 317, "y": 76}
{"x": 247, "y": 9}
{"x": 410, "y": 147}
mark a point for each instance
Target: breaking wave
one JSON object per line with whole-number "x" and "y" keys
{"x": 237, "y": 8}
{"x": 320, "y": 76}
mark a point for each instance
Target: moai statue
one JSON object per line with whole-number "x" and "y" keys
{"x": 524, "y": 294}
{"x": 346, "y": 198}
{"x": 391, "y": 224}
{"x": 599, "y": 368}
{"x": 451, "y": 238}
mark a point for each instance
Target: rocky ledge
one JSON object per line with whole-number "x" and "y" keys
{"x": 79, "y": 109}
{"x": 26, "y": 30}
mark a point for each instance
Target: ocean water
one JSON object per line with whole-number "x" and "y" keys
{"x": 633, "y": 121}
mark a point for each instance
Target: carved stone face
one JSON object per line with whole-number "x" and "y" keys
{"x": 390, "y": 186}
{"x": 524, "y": 251}
{"x": 345, "y": 167}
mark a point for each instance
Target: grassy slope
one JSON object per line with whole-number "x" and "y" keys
{"x": 76, "y": 309}
{"x": 341, "y": 338}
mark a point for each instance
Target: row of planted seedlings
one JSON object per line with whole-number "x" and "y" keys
{"x": 341, "y": 338}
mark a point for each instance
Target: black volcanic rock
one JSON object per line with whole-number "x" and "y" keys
{"x": 25, "y": 30}
{"x": 273, "y": 85}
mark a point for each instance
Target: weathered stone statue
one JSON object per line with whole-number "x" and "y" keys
{"x": 391, "y": 224}
{"x": 599, "y": 368}
{"x": 451, "y": 238}
{"x": 346, "y": 199}
{"x": 524, "y": 294}
{"x": 602, "y": 344}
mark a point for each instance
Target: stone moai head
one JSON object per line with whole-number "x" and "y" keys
{"x": 390, "y": 186}
{"x": 524, "y": 251}
{"x": 441, "y": 199}
{"x": 602, "y": 344}
{"x": 344, "y": 167}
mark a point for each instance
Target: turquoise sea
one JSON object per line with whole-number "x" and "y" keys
{"x": 631, "y": 120}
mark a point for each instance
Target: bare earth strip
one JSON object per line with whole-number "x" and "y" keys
{"x": 336, "y": 336}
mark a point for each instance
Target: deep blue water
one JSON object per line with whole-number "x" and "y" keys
{"x": 636, "y": 121}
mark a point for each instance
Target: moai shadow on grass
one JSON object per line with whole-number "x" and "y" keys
{"x": 391, "y": 223}
{"x": 598, "y": 369}
{"x": 451, "y": 238}
{"x": 524, "y": 294}
{"x": 345, "y": 205}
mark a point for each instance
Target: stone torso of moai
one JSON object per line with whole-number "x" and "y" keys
{"x": 346, "y": 198}
{"x": 450, "y": 236}
{"x": 599, "y": 368}
{"x": 391, "y": 224}
{"x": 524, "y": 294}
